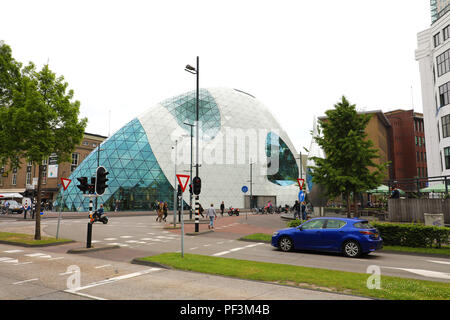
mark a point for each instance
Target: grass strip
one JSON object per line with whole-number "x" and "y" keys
{"x": 394, "y": 288}
{"x": 28, "y": 239}
{"x": 262, "y": 237}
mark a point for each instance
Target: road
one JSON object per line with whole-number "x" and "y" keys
{"x": 32, "y": 273}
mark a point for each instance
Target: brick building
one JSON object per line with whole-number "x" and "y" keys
{"x": 16, "y": 180}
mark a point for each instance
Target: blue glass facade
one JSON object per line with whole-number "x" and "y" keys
{"x": 287, "y": 172}
{"x": 136, "y": 180}
{"x": 183, "y": 108}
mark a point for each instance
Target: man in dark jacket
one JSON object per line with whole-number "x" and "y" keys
{"x": 296, "y": 210}
{"x": 222, "y": 208}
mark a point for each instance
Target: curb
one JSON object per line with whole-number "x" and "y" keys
{"x": 437, "y": 255}
{"x": 35, "y": 245}
{"x": 149, "y": 264}
{"x": 93, "y": 249}
{"x": 198, "y": 233}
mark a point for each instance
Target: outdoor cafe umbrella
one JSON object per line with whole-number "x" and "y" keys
{"x": 435, "y": 188}
{"x": 382, "y": 189}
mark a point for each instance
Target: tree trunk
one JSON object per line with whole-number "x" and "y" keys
{"x": 355, "y": 203}
{"x": 348, "y": 205}
{"x": 37, "y": 214}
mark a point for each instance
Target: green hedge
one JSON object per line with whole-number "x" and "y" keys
{"x": 412, "y": 235}
{"x": 294, "y": 223}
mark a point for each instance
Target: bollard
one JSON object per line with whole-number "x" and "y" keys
{"x": 89, "y": 235}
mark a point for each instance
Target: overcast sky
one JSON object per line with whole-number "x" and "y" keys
{"x": 297, "y": 57}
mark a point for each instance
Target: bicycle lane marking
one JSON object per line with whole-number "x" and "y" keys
{"x": 236, "y": 249}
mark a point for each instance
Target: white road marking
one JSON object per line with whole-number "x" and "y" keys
{"x": 237, "y": 249}
{"x": 425, "y": 273}
{"x": 126, "y": 237}
{"x": 21, "y": 263}
{"x": 95, "y": 241}
{"x": 131, "y": 241}
{"x": 193, "y": 248}
{"x": 45, "y": 256}
{"x": 20, "y": 282}
{"x": 5, "y": 258}
{"x": 57, "y": 258}
{"x": 104, "y": 266}
{"x": 110, "y": 239}
{"x": 35, "y": 254}
{"x": 13, "y": 251}
{"x": 439, "y": 261}
{"x": 11, "y": 261}
{"x": 111, "y": 280}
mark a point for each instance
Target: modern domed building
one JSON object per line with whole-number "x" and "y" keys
{"x": 235, "y": 129}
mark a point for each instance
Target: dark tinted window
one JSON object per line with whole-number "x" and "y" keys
{"x": 363, "y": 225}
{"x": 335, "y": 224}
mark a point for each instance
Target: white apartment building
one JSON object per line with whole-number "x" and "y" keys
{"x": 433, "y": 55}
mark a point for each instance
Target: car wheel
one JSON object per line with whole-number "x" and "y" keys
{"x": 352, "y": 249}
{"x": 285, "y": 244}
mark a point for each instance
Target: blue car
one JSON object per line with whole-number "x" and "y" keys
{"x": 352, "y": 237}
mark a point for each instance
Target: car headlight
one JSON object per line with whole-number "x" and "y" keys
{"x": 275, "y": 234}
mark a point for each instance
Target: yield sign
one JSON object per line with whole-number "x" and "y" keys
{"x": 180, "y": 177}
{"x": 65, "y": 183}
{"x": 301, "y": 183}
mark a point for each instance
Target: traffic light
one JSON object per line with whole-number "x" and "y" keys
{"x": 179, "y": 191}
{"x": 83, "y": 186}
{"x": 197, "y": 185}
{"x": 92, "y": 186}
{"x": 101, "y": 185}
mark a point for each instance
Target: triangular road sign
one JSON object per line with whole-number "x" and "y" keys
{"x": 65, "y": 183}
{"x": 301, "y": 183}
{"x": 180, "y": 177}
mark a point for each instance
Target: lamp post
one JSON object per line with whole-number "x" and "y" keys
{"x": 196, "y": 71}
{"x": 175, "y": 188}
{"x": 190, "y": 193}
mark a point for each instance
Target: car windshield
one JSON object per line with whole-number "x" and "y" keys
{"x": 363, "y": 225}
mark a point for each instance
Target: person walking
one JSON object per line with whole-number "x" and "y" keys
{"x": 296, "y": 210}
{"x": 303, "y": 210}
{"x": 200, "y": 209}
{"x": 211, "y": 214}
{"x": 222, "y": 208}
{"x": 165, "y": 208}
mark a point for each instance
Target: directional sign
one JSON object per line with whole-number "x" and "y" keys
{"x": 65, "y": 183}
{"x": 301, "y": 183}
{"x": 180, "y": 177}
{"x": 301, "y": 196}
{"x": 244, "y": 189}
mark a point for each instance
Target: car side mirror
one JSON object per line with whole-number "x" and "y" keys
{"x": 300, "y": 228}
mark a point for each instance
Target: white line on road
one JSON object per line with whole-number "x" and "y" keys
{"x": 439, "y": 261}
{"x": 110, "y": 239}
{"x": 58, "y": 258}
{"x": 104, "y": 266}
{"x": 111, "y": 280}
{"x": 425, "y": 273}
{"x": 35, "y": 254}
{"x": 20, "y": 282}
{"x": 13, "y": 251}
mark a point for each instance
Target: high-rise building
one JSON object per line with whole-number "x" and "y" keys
{"x": 433, "y": 55}
{"x": 438, "y": 8}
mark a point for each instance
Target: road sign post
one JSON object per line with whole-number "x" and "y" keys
{"x": 183, "y": 187}
{"x": 65, "y": 183}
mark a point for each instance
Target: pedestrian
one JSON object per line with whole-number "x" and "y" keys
{"x": 117, "y": 206}
{"x": 211, "y": 213}
{"x": 303, "y": 210}
{"x": 395, "y": 193}
{"x": 296, "y": 210}
{"x": 200, "y": 209}
{"x": 222, "y": 208}
{"x": 165, "y": 208}
{"x": 160, "y": 212}
{"x": 26, "y": 207}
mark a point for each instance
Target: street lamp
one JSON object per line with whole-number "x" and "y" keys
{"x": 196, "y": 71}
{"x": 190, "y": 183}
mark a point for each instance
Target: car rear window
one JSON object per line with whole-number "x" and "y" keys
{"x": 363, "y": 225}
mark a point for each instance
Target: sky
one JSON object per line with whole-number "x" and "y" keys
{"x": 296, "y": 57}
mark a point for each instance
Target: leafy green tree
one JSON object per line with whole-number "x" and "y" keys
{"x": 45, "y": 121}
{"x": 346, "y": 170}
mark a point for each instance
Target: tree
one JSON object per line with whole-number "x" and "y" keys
{"x": 44, "y": 118}
{"x": 349, "y": 154}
